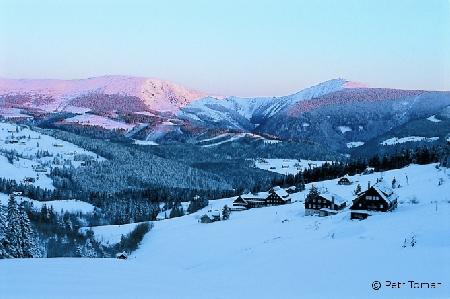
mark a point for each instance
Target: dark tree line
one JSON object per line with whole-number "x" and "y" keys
{"x": 329, "y": 171}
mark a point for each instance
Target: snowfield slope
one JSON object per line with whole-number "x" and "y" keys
{"x": 273, "y": 252}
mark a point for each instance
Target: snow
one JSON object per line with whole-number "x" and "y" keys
{"x": 434, "y": 119}
{"x": 233, "y": 137}
{"x": 333, "y": 197}
{"x": 28, "y": 144}
{"x": 396, "y": 140}
{"x": 286, "y": 166}
{"x": 273, "y": 252}
{"x": 97, "y": 120}
{"x": 354, "y": 144}
{"x": 12, "y": 113}
{"x": 110, "y": 234}
{"x": 157, "y": 94}
{"x": 344, "y": 129}
{"x": 144, "y": 142}
{"x": 71, "y": 206}
{"x": 225, "y": 109}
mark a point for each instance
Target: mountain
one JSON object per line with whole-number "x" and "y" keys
{"x": 337, "y": 115}
{"x": 92, "y": 93}
{"x": 248, "y": 113}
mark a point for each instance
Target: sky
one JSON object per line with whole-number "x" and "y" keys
{"x": 246, "y": 48}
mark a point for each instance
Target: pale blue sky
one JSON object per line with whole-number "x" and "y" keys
{"x": 231, "y": 47}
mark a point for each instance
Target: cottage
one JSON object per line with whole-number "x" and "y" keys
{"x": 277, "y": 196}
{"x": 378, "y": 197}
{"x": 291, "y": 190}
{"x": 239, "y": 204}
{"x": 344, "y": 181}
{"x": 29, "y": 180}
{"x": 122, "y": 255}
{"x": 324, "y": 204}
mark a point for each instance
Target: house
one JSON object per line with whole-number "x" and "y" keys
{"x": 379, "y": 197}
{"x": 344, "y": 181}
{"x": 324, "y": 204}
{"x": 239, "y": 204}
{"x": 291, "y": 190}
{"x": 122, "y": 255}
{"x": 369, "y": 170}
{"x": 277, "y": 196}
{"x": 29, "y": 180}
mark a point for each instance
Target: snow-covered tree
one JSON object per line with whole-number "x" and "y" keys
{"x": 357, "y": 190}
{"x": 89, "y": 250}
{"x": 27, "y": 243}
{"x": 2, "y": 233}
{"x": 13, "y": 233}
{"x": 226, "y": 211}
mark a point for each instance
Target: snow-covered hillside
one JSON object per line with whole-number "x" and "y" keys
{"x": 51, "y": 95}
{"x": 32, "y": 154}
{"x": 71, "y": 206}
{"x": 110, "y": 234}
{"x": 234, "y": 110}
{"x": 396, "y": 140}
{"x": 101, "y": 121}
{"x": 273, "y": 252}
{"x": 286, "y": 166}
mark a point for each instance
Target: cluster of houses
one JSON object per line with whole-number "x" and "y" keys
{"x": 275, "y": 196}
{"x": 377, "y": 198}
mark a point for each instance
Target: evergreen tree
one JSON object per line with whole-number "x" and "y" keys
{"x": 313, "y": 193}
{"x": 226, "y": 211}
{"x": 13, "y": 233}
{"x": 2, "y": 233}
{"x": 27, "y": 245}
{"x": 89, "y": 250}
{"x": 357, "y": 190}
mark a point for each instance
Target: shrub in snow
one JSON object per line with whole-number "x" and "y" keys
{"x": 414, "y": 201}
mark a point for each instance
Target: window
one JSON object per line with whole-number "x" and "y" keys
{"x": 381, "y": 206}
{"x": 360, "y": 205}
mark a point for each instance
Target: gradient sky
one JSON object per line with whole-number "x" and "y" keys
{"x": 231, "y": 47}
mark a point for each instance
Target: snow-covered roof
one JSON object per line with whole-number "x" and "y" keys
{"x": 280, "y": 191}
{"x": 331, "y": 196}
{"x": 385, "y": 192}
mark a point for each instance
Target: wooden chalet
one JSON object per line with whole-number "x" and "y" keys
{"x": 379, "y": 197}
{"x": 344, "y": 181}
{"x": 277, "y": 196}
{"x": 324, "y": 204}
{"x": 239, "y": 204}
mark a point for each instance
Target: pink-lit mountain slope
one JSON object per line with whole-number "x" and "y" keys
{"x": 58, "y": 95}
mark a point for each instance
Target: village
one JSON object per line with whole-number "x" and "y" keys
{"x": 319, "y": 201}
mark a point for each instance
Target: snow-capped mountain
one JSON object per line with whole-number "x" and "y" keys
{"x": 244, "y": 113}
{"x": 57, "y": 95}
{"x": 334, "y": 114}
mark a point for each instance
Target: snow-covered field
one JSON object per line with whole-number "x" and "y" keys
{"x": 354, "y": 144}
{"x": 229, "y": 137}
{"x": 101, "y": 121}
{"x": 273, "y": 252}
{"x": 433, "y": 119}
{"x": 286, "y": 166}
{"x": 37, "y": 153}
{"x": 396, "y": 140}
{"x": 110, "y": 234}
{"x": 71, "y": 206}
